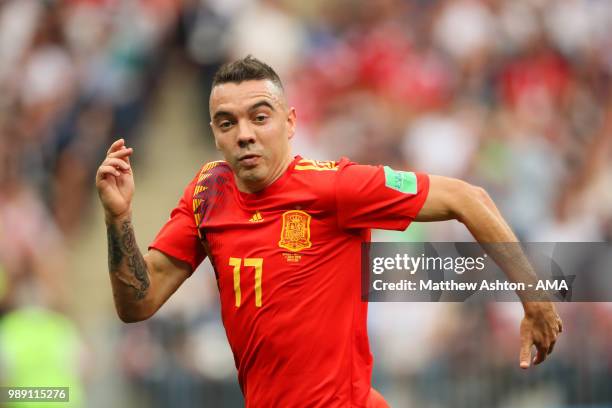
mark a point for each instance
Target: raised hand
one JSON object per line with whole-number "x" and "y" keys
{"x": 115, "y": 181}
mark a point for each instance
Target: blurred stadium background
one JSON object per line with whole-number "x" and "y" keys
{"x": 513, "y": 95}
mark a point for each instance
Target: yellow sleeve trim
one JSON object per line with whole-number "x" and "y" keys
{"x": 316, "y": 165}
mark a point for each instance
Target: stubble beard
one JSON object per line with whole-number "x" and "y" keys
{"x": 252, "y": 175}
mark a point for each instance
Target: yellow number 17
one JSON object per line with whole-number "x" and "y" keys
{"x": 248, "y": 262}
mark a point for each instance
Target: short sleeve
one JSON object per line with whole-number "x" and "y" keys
{"x": 378, "y": 197}
{"x": 179, "y": 237}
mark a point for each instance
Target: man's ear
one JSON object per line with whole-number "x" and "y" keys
{"x": 292, "y": 122}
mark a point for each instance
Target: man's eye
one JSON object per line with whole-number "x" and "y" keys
{"x": 225, "y": 124}
{"x": 260, "y": 118}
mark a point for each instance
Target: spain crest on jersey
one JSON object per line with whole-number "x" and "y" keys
{"x": 295, "y": 234}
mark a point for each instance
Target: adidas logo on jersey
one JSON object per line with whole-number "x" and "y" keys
{"x": 256, "y": 217}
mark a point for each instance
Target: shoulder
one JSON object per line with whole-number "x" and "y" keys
{"x": 322, "y": 169}
{"x": 211, "y": 188}
{"x": 212, "y": 173}
{"x": 315, "y": 172}
{"x": 310, "y": 165}
{"x": 213, "y": 168}
{"x": 320, "y": 178}
{"x": 211, "y": 176}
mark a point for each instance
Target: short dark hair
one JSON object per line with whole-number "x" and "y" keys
{"x": 246, "y": 69}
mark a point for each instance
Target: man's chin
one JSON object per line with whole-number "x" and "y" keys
{"x": 251, "y": 174}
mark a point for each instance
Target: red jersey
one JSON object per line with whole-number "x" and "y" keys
{"x": 287, "y": 262}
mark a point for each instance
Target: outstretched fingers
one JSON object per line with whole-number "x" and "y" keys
{"x": 525, "y": 353}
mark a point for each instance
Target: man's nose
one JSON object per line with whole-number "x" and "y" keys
{"x": 246, "y": 135}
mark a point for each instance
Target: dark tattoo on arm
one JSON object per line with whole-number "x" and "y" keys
{"x": 122, "y": 246}
{"x": 115, "y": 254}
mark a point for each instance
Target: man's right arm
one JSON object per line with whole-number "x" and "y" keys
{"x": 140, "y": 283}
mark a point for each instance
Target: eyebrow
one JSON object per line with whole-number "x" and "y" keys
{"x": 259, "y": 104}
{"x": 220, "y": 114}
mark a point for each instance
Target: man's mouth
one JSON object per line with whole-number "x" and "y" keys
{"x": 249, "y": 160}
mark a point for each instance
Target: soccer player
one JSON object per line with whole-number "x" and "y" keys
{"x": 284, "y": 237}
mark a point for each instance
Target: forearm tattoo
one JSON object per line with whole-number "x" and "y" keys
{"x": 122, "y": 246}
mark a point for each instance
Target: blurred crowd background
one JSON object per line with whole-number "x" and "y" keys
{"x": 512, "y": 95}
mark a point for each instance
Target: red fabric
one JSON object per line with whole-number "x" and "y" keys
{"x": 307, "y": 344}
{"x": 176, "y": 238}
{"x": 365, "y": 202}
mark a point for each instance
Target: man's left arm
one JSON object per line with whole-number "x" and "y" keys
{"x": 455, "y": 199}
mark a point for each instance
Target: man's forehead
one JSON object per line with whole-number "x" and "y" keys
{"x": 238, "y": 94}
